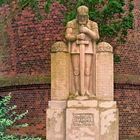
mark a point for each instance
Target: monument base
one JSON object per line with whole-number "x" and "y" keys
{"x": 91, "y": 120}
{"x": 82, "y": 120}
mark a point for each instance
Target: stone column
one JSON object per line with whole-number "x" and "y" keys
{"x": 104, "y": 72}
{"x": 59, "y": 71}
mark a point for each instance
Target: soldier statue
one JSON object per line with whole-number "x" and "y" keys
{"x": 81, "y": 35}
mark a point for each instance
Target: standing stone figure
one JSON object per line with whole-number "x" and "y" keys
{"x": 81, "y": 34}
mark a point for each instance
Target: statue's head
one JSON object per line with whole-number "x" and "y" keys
{"x": 82, "y": 15}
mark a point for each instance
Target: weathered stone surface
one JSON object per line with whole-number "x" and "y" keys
{"x": 108, "y": 120}
{"x": 104, "y": 47}
{"x": 86, "y": 103}
{"x": 97, "y": 121}
{"x": 104, "y": 72}
{"x": 56, "y": 120}
{"x": 107, "y": 104}
{"x": 109, "y": 124}
{"x": 82, "y": 124}
{"x": 59, "y": 72}
{"x": 53, "y": 104}
{"x": 59, "y": 47}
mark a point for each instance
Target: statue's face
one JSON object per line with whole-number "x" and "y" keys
{"x": 82, "y": 19}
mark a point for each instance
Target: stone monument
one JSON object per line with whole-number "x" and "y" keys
{"x": 82, "y": 105}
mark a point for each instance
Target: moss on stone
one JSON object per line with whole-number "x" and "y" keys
{"x": 23, "y": 80}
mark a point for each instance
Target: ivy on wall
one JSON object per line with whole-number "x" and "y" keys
{"x": 113, "y": 18}
{"x": 23, "y": 4}
{"x": 5, "y": 2}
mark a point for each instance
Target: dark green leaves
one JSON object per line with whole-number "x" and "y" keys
{"x": 5, "y": 2}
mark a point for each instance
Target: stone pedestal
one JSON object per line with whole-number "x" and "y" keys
{"x": 82, "y": 120}
{"x": 91, "y": 120}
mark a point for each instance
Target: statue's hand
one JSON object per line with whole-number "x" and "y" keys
{"x": 81, "y": 36}
{"x": 83, "y": 29}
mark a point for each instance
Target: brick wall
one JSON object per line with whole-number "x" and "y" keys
{"x": 128, "y": 100}
{"x": 29, "y": 41}
{"x": 25, "y": 51}
{"x": 129, "y": 52}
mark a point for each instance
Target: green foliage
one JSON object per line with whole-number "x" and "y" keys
{"x": 5, "y": 2}
{"x": 117, "y": 58}
{"x": 22, "y": 80}
{"x": 113, "y": 20}
{"x": 110, "y": 15}
{"x": 33, "y": 4}
{"x": 47, "y": 5}
{"x": 12, "y": 137}
{"x": 8, "y": 118}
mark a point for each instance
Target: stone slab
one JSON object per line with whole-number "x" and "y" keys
{"x": 82, "y": 124}
{"x": 85, "y": 103}
{"x": 53, "y": 104}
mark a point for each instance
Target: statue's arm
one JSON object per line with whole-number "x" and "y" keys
{"x": 69, "y": 35}
{"x": 93, "y": 32}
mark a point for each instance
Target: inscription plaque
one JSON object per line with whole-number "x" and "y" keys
{"x": 83, "y": 119}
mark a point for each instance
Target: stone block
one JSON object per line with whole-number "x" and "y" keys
{"x": 82, "y": 124}
{"x": 109, "y": 120}
{"x": 56, "y": 126}
{"x": 109, "y": 124}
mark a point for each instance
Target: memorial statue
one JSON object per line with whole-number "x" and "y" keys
{"x": 81, "y": 35}
{"x": 82, "y": 105}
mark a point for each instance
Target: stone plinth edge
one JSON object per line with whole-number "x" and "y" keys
{"x": 53, "y": 104}
{"x": 107, "y": 104}
{"x": 91, "y": 104}
{"x": 85, "y": 103}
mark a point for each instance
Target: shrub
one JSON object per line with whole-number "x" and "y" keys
{"x": 8, "y": 118}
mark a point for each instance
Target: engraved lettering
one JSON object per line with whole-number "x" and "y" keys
{"x": 83, "y": 119}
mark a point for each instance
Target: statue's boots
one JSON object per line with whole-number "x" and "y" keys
{"x": 87, "y": 93}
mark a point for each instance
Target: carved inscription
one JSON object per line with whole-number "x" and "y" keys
{"x": 83, "y": 119}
